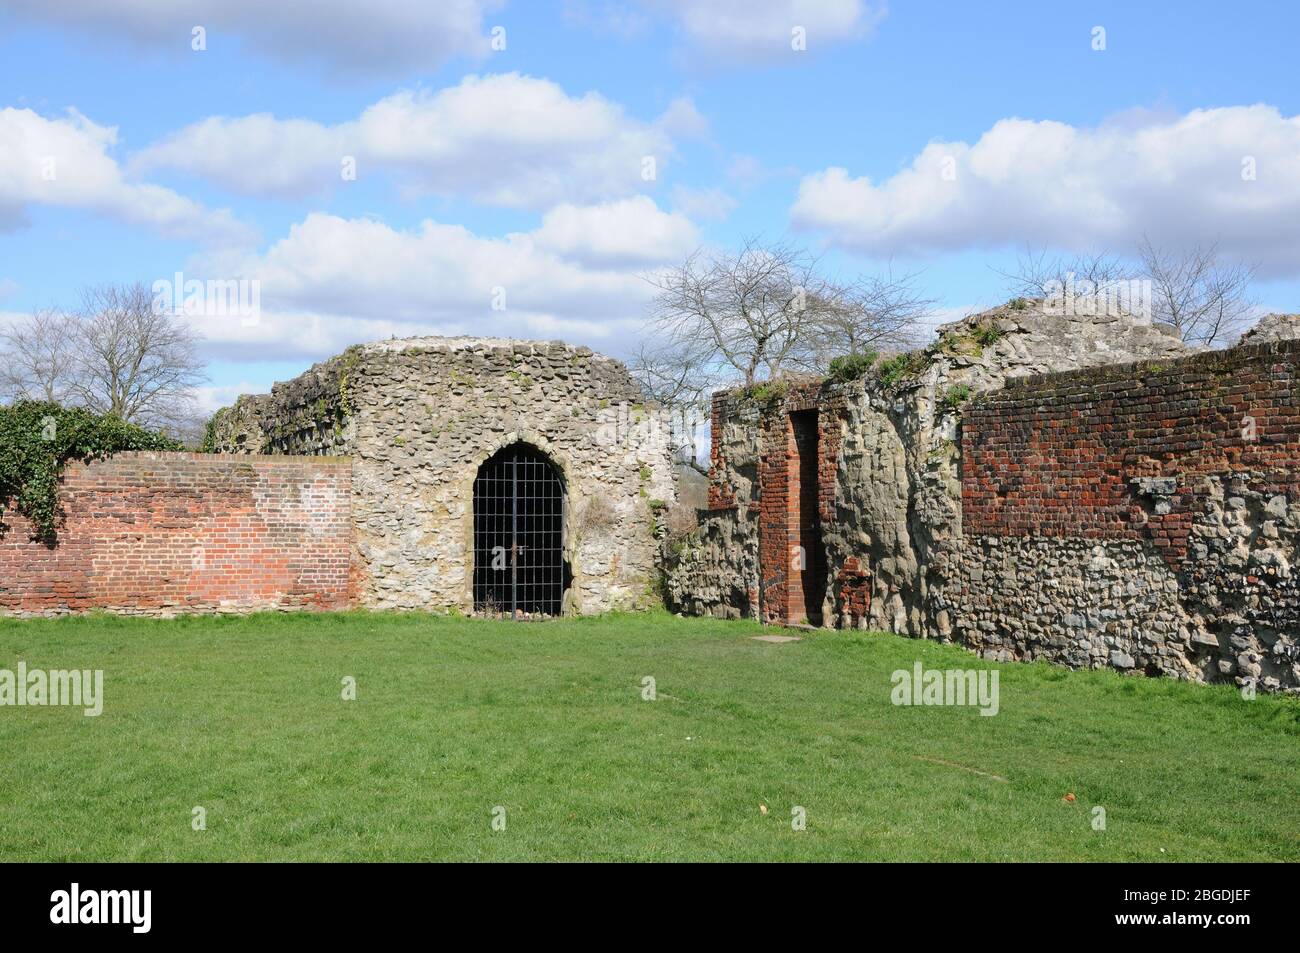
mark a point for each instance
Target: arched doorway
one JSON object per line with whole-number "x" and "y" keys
{"x": 519, "y": 506}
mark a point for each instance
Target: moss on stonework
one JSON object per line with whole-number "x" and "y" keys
{"x": 348, "y": 362}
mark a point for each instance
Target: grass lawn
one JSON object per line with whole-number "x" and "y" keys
{"x": 244, "y": 717}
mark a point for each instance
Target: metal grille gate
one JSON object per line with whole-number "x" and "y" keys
{"x": 519, "y": 564}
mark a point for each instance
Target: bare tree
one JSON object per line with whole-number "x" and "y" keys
{"x": 1038, "y": 274}
{"x": 135, "y": 361}
{"x": 673, "y": 378}
{"x": 746, "y": 314}
{"x": 1206, "y": 299}
{"x": 40, "y": 357}
{"x": 875, "y": 313}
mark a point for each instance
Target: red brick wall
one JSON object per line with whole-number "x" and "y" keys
{"x": 776, "y": 462}
{"x": 785, "y": 495}
{"x": 854, "y": 585}
{"x": 1055, "y": 455}
{"x": 156, "y": 533}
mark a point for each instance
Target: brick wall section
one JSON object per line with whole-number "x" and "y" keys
{"x": 778, "y": 478}
{"x": 159, "y": 533}
{"x": 1058, "y": 455}
{"x": 853, "y": 584}
{"x": 782, "y": 493}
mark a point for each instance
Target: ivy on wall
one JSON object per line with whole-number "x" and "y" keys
{"x": 37, "y": 439}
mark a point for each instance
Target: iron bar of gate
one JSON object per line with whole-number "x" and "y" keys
{"x": 519, "y": 507}
{"x": 514, "y": 539}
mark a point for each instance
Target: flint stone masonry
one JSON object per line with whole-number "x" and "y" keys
{"x": 1273, "y": 327}
{"x": 158, "y": 534}
{"x": 1109, "y": 516}
{"x": 1144, "y": 516}
{"x": 419, "y": 416}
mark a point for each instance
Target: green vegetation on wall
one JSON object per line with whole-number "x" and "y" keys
{"x": 955, "y": 396}
{"x": 850, "y": 367}
{"x": 902, "y": 366}
{"x": 38, "y": 438}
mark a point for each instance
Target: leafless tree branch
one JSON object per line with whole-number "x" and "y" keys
{"x": 40, "y": 359}
{"x": 1206, "y": 299}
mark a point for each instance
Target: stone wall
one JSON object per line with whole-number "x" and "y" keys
{"x": 419, "y": 416}
{"x": 1142, "y": 516}
{"x": 1029, "y": 566}
{"x": 164, "y": 533}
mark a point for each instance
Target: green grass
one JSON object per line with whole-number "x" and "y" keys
{"x": 243, "y": 716}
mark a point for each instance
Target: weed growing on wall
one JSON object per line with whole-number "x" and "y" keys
{"x": 902, "y": 367}
{"x": 955, "y": 396}
{"x": 850, "y": 367}
{"x": 38, "y": 438}
{"x": 987, "y": 334}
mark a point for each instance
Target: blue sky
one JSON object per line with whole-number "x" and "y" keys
{"x": 521, "y": 168}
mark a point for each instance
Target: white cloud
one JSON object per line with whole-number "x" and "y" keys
{"x": 682, "y": 119}
{"x": 505, "y": 139}
{"x": 1175, "y": 179}
{"x": 712, "y": 204}
{"x": 763, "y": 30}
{"x": 629, "y": 233}
{"x": 212, "y": 398}
{"x": 66, "y": 163}
{"x": 379, "y": 36}
{"x": 333, "y": 281}
{"x": 257, "y": 154}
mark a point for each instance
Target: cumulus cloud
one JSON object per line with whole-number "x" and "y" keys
{"x": 762, "y": 30}
{"x": 66, "y": 163}
{"x": 335, "y": 281}
{"x": 381, "y": 36}
{"x": 628, "y": 233}
{"x": 506, "y": 139}
{"x": 1230, "y": 175}
{"x": 208, "y": 400}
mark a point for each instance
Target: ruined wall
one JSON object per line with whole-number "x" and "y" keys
{"x": 716, "y": 573}
{"x": 147, "y": 533}
{"x": 891, "y": 496}
{"x": 420, "y": 415}
{"x": 1139, "y": 516}
{"x": 903, "y": 555}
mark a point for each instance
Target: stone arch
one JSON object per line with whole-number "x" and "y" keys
{"x": 538, "y": 446}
